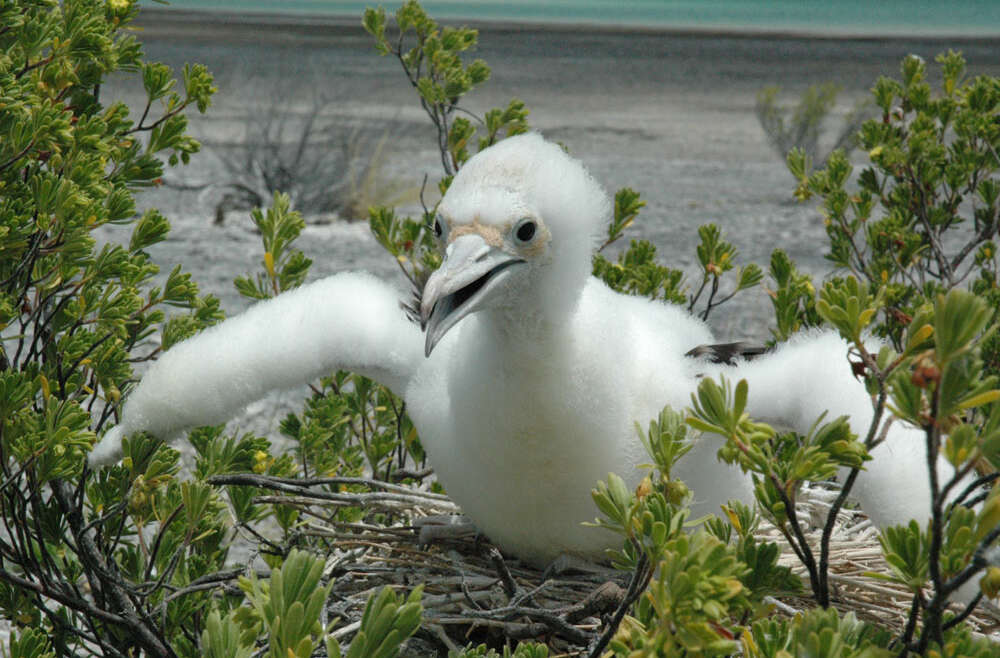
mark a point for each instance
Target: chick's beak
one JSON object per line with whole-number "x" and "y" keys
{"x": 470, "y": 276}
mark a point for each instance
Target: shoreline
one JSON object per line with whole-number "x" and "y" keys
{"x": 669, "y": 113}
{"x": 163, "y": 21}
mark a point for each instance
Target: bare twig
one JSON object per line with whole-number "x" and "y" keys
{"x": 637, "y": 585}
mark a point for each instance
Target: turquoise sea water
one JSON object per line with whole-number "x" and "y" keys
{"x": 833, "y": 17}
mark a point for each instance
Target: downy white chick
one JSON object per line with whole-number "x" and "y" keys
{"x": 528, "y": 380}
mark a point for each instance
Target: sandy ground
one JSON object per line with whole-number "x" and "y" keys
{"x": 669, "y": 114}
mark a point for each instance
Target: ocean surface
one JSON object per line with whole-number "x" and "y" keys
{"x": 824, "y": 17}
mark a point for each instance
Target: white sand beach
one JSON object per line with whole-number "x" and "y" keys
{"x": 670, "y": 114}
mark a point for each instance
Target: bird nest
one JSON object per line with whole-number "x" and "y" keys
{"x": 472, "y": 594}
{"x": 854, "y": 553}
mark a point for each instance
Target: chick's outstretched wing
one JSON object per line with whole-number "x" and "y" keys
{"x": 349, "y": 321}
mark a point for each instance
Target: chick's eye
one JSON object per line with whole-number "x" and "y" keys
{"x": 525, "y": 231}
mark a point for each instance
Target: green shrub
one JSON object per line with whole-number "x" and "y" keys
{"x": 90, "y": 561}
{"x": 933, "y": 172}
{"x": 802, "y": 126}
{"x": 135, "y": 559}
{"x": 132, "y": 559}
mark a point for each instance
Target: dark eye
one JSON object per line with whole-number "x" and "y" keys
{"x": 525, "y": 231}
{"x": 438, "y": 226}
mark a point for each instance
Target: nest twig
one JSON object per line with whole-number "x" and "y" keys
{"x": 854, "y": 553}
{"x": 471, "y": 594}
{"x": 468, "y": 596}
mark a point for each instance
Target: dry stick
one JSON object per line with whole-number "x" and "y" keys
{"x": 512, "y": 630}
{"x": 168, "y": 572}
{"x": 509, "y": 585}
{"x": 858, "y": 267}
{"x": 384, "y": 498}
{"x": 210, "y": 581}
{"x": 466, "y": 595}
{"x": 12, "y": 506}
{"x": 602, "y": 599}
{"x": 168, "y": 115}
{"x": 550, "y": 620}
{"x": 343, "y": 500}
{"x": 27, "y": 464}
{"x": 640, "y": 578}
{"x": 405, "y": 473}
{"x": 368, "y": 482}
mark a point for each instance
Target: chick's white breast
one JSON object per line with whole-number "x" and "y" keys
{"x": 528, "y": 433}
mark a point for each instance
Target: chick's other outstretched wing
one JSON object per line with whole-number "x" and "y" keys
{"x": 350, "y": 321}
{"x": 809, "y": 376}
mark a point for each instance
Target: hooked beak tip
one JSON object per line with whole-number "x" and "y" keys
{"x": 471, "y": 274}
{"x": 425, "y": 315}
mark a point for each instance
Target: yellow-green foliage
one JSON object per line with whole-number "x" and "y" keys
{"x": 133, "y": 559}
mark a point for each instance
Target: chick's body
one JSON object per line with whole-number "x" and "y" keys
{"x": 520, "y": 425}
{"x": 529, "y": 376}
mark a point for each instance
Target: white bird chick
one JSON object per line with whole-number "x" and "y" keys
{"x": 527, "y": 383}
